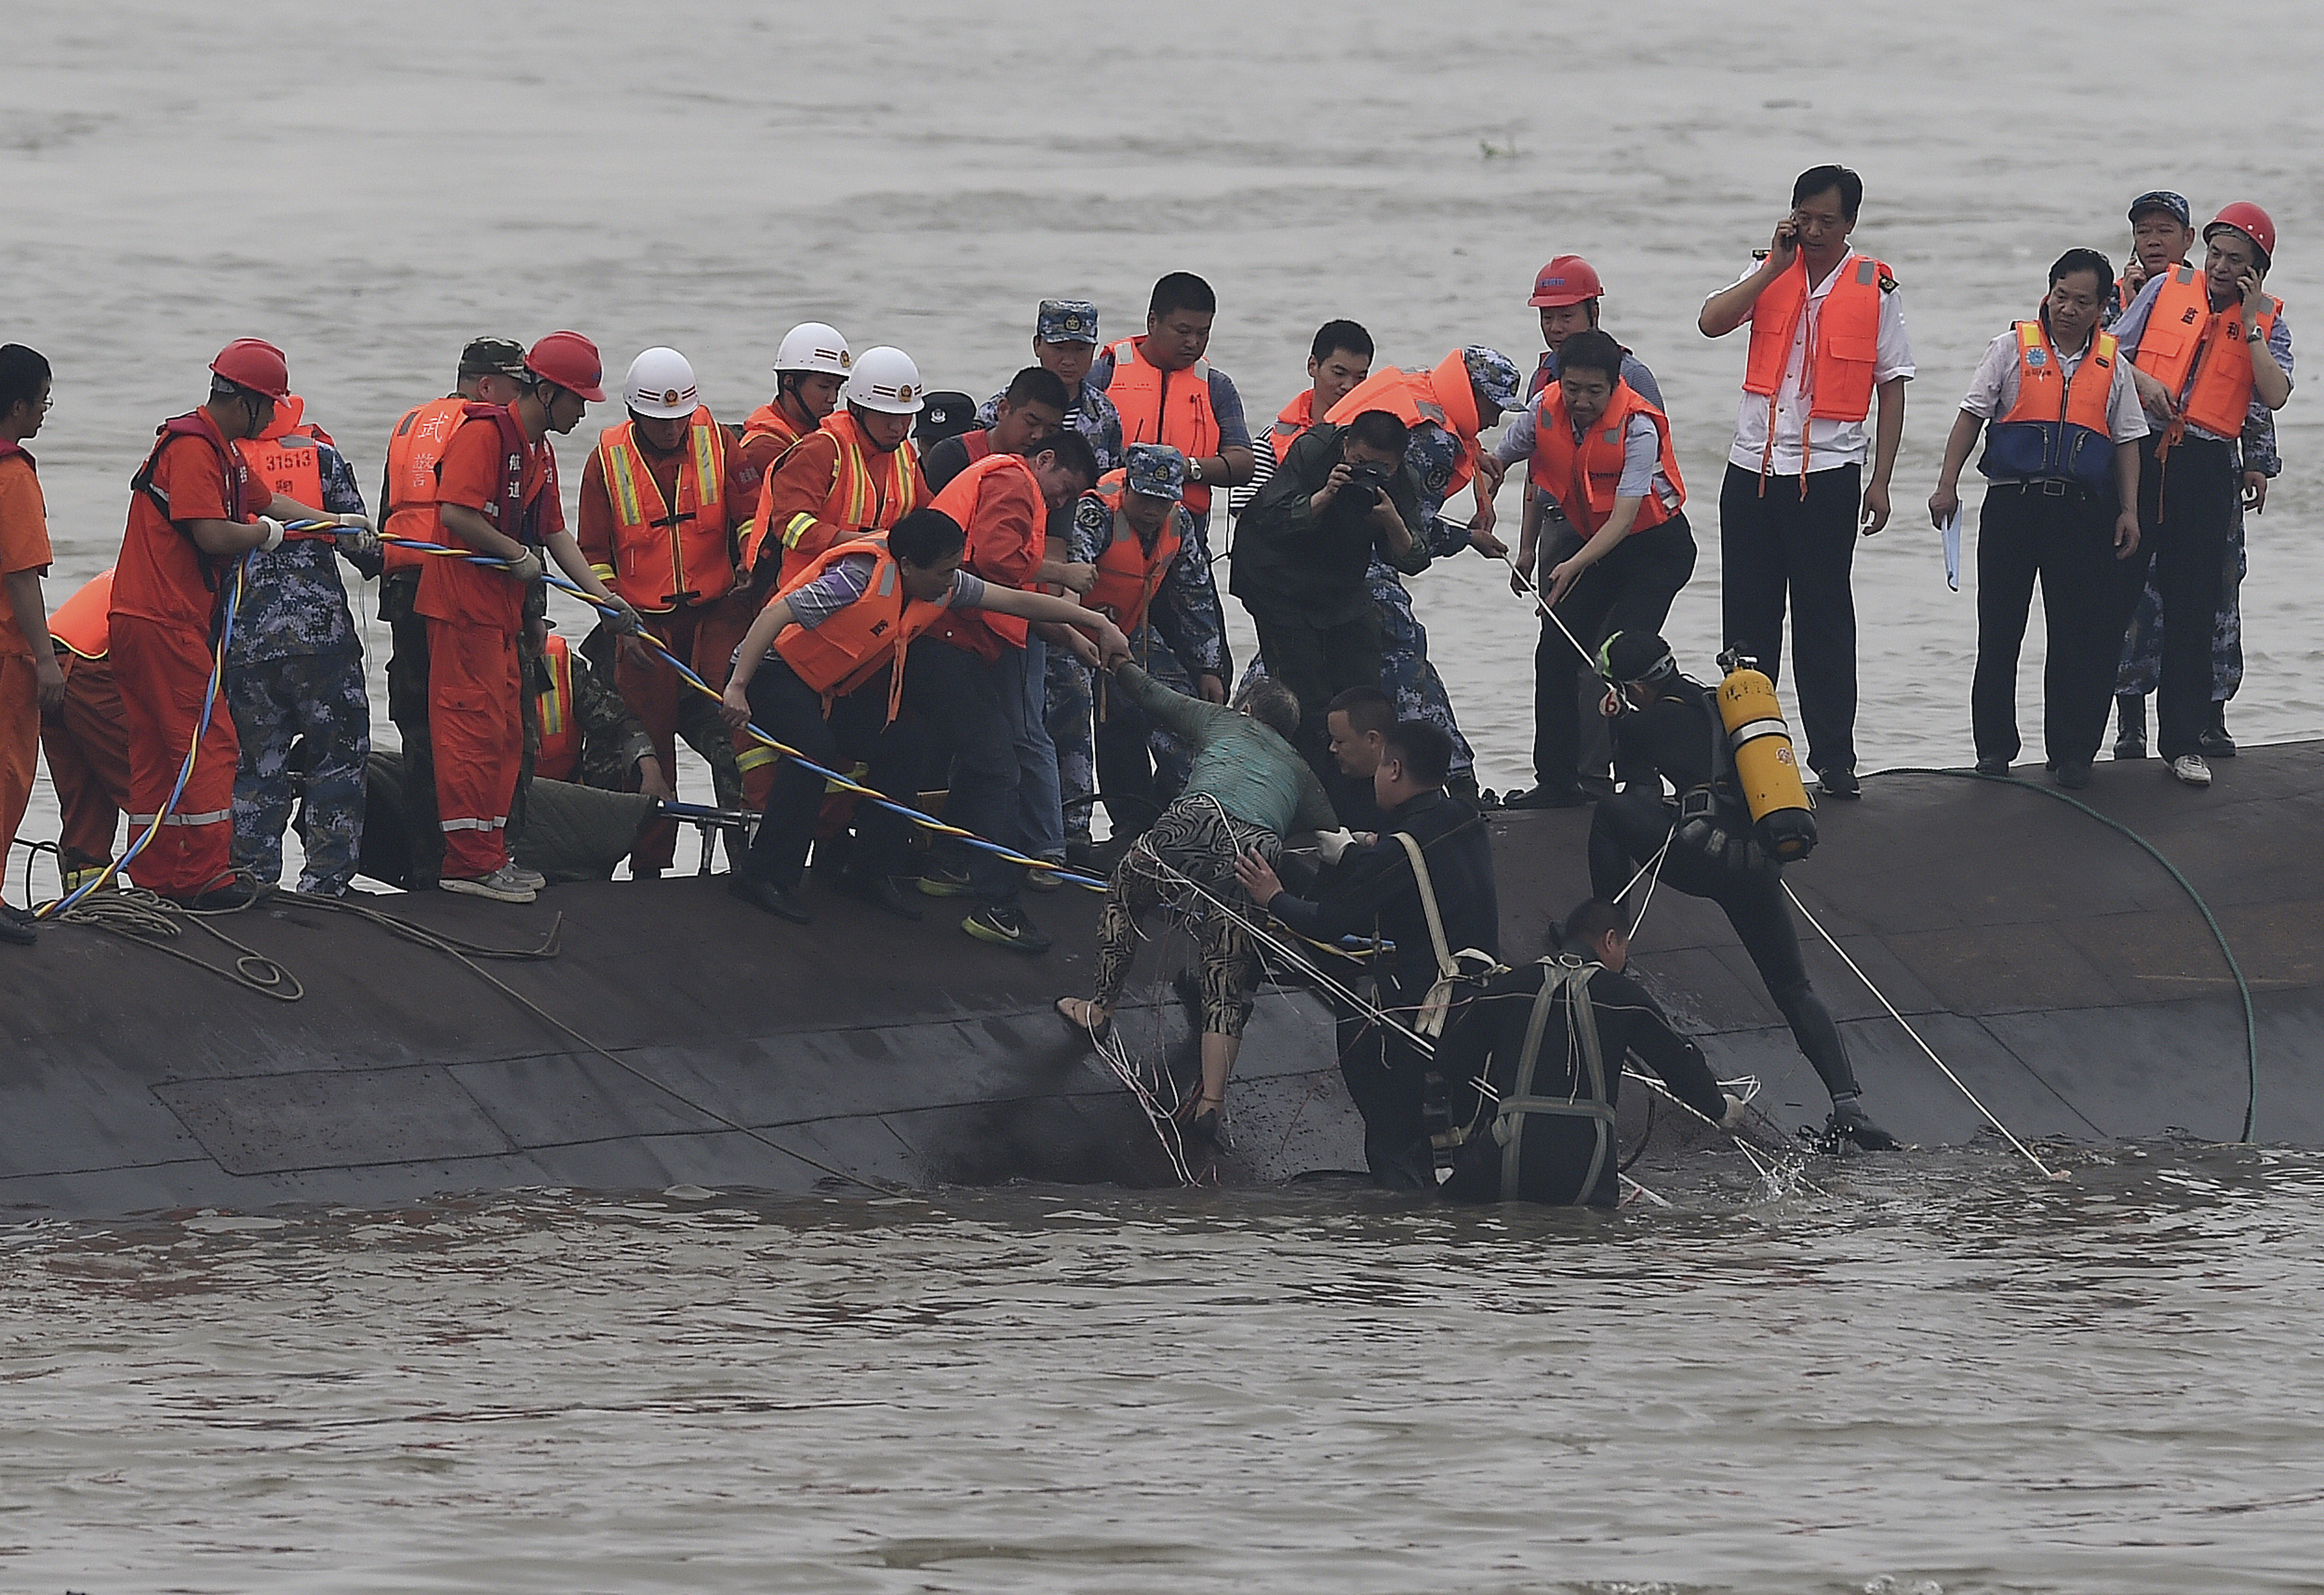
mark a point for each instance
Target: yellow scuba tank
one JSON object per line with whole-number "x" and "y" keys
{"x": 1766, "y": 768}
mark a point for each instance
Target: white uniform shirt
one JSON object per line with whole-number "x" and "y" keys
{"x": 1993, "y": 391}
{"x": 1830, "y": 444}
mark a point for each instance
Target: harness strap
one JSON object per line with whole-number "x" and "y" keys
{"x": 1429, "y": 1021}
{"x": 1571, "y": 982}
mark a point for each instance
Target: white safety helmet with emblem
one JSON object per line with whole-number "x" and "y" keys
{"x": 812, "y": 345}
{"x": 660, "y": 385}
{"x": 886, "y": 380}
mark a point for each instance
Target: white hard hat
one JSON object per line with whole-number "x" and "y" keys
{"x": 885, "y": 379}
{"x": 812, "y": 345}
{"x": 660, "y": 384}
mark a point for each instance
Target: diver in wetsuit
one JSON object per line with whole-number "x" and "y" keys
{"x": 1671, "y": 731}
{"x": 1533, "y": 1069}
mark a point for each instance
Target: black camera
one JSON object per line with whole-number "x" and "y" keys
{"x": 1367, "y": 480}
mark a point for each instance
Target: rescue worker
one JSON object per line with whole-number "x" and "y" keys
{"x": 1004, "y": 504}
{"x": 2210, "y": 351}
{"x": 1340, "y": 501}
{"x": 811, "y": 367}
{"x": 589, "y": 734}
{"x": 1166, "y": 392}
{"x": 661, "y": 497}
{"x": 1153, "y": 577}
{"x": 491, "y": 372}
{"x": 1600, "y": 459}
{"x": 1339, "y": 358}
{"x": 2162, "y": 236}
{"x": 87, "y": 740}
{"x": 1248, "y": 791}
{"x": 1534, "y": 1071}
{"x": 1064, "y": 345}
{"x": 840, "y": 667}
{"x": 496, "y": 494}
{"x": 1444, "y": 409}
{"x": 32, "y": 686}
{"x": 1030, "y": 408}
{"x": 857, "y": 473}
{"x": 1357, "y": 723}
{"x": 1426, "y": 884}
{"x": 195, "y": 507}
{"x": 2061, "y": 461}
{"x": 295, "y": 670}
{"x": 1668, "y": 727}
{"x": 1827, "y": 332}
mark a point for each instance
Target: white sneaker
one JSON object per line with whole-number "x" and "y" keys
{"x": 2192, "y": 769}
{"x": 503, "y": 886}
{"x": 532, "y": 878}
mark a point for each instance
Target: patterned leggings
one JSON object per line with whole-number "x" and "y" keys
{"x": 1199, "y": 840}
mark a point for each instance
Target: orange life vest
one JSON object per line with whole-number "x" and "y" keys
{"x": 2184, "y": 335}
{"x": 1442, "y": 398}
{"x": 1128, "y": 575}
{"x": 665, "y": 555}
{"x": 1172, "y": 407}
{"x": 869, "y": 490}
{"x": 768, "y": 421}
{"x": 83, "y": 624}
{"x": 284, "y": 459}
{"x": 1582, "y": 475}
{"x": 958, "y": 500}
{"x": 851, "y": 645}
{"x": 413, "y": 448}
{"x": 1291, "y": 424}
{"x": 1843, "y": 340}
{"x": 559, "y": 759}
{"x": 2059, "y": 430}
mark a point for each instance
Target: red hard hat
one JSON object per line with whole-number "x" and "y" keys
{"x": 255, "y": 363}
{"x": 571, "y": 362}
{"x": 1566, "y": 281}
{"x": 2251, "y": 221}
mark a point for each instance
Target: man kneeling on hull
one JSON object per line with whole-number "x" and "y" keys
{"x": 1675, "y": 733}
{"x": 1533, "y": 1070}
{"x": 827, "y": 667}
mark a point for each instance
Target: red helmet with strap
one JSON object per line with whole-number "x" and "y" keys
{"x": 571, "y": 362}
{"x": 2252, "y": 222}
{"x": 255, "y": 363}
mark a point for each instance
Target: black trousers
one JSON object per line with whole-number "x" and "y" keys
{"x": 1629, "y": 590}
{"x": 2066, "y": 538}
{"x": 1788, "y": 545}
{"x": 790, "y": 711}
{"x": 2188, "y": 505}
{"x": 1318, "y": 662}
{"x": 407, "y": 706}
{"x": 1628, "y": 829}
{"x": 1387, "y": 1081}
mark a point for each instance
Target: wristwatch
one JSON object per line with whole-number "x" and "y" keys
{"x": 2256, "y": 335}
{"x": 1194, "y": 469}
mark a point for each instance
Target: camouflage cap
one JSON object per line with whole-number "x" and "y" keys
{"x": 1066, "y": 321}
{"x": 2162, "y": 199}
{"x": 493, "y": 356}
{"x": 1154, "y": 470}
{"x": 1495, "y": 375}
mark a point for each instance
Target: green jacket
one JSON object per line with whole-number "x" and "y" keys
{"x": 1253, "y": 773}
{"x": 1287, "y": 557}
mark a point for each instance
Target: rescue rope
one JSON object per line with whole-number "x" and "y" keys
{"x": 155, "y": 921}
{"x": 1989, "y": 1116}
{"x": 2210, "y": 920}
{"x": 686, "y": 674}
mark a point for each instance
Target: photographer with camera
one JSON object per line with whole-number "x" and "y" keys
{"x": 1300, "y": 554}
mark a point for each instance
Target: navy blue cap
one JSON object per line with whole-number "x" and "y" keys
{"x": 2162, "y": 199}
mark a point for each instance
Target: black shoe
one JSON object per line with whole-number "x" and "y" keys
{"x": 16, "y": 926}
{"x": 1850, "y": 1123}
{"x": 1569, "y": 796}
{"x": 239, "y": 892}
{"x": 1462, "y": 784}
{"x": 881, "y": 892}
{"x": 2215, "y": 744}
{"x": 1993, "y": 767}
{"x": 2130, "y": 726}
{"x": 2073, "y": 774}
{"x": 767, "y": 896}
{"x": 1080, "y": 852}
{"x": 1839, "y": 783}
{"x": 1005, "y": 924}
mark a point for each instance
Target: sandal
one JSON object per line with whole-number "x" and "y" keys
{"x": 1098, "y": 1032}
{"x": 1204, "y": 1123}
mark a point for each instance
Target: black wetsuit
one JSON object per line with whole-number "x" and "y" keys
{"x": 1675, "y": 737}
{"x": 1374, "y": 893}
{"x": 1564, "y": 1153}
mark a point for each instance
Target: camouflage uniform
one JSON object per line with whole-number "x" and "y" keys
{"x": 1092, "y": 415}
{"x": 1183, "y": 637}
{"x": 613, "y": 740}
{"x": 295, "y": 672}
{"x": 2142, "y": 645}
